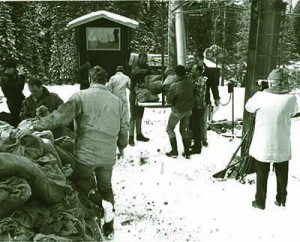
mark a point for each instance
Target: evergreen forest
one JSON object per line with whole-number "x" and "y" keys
{"x": 35, "y": 33}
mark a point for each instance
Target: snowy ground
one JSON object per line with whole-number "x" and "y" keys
{"x": 164, "y": 199}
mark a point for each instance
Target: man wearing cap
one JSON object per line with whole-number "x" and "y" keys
{"x": 271, "y": 143}
{"x": 118, "y": 83}
{"x": 12, "y": 85}
{"x": 101, "y": 126}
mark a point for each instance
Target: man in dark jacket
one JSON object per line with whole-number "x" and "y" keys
{"x": 40, "y": 96}
{"x": 12, "y": 85}
{"x": 139, "y": 72}
{"x": 180, "y": 96}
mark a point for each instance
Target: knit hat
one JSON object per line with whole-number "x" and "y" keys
{"x": 277, "y": 75}
{"x": 278, "y": 82}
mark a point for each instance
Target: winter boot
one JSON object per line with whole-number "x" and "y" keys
{"x": 174, "y": 151}
{"x": 279, "y": 204}
{"x": 195, "y": 151}
{"x": 186, "y": 145}
{"x": 256, "y": 205}
{"x": 141, "y": 137}
{"x": 204, "y": 143}
{"x": 131, "y": 141}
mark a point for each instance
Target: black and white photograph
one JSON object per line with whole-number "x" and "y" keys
{"x": 103, "y": 38}
{"x": 150, "y": 121}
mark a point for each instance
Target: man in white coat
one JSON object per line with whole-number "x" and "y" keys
{"x": 271, "y": 143}
{"x": 118, "y": 83}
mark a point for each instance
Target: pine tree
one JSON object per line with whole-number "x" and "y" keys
{"x": 28, "y": 31}
{"x": 63, "y": 51}
{"x": 7, "y": 33}
{"x": 296, "y": 25}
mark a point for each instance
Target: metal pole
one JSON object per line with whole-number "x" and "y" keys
{"x": 162, "y": 53}
{"x": 224, "y": 43}
{"x": 180, "y": 38}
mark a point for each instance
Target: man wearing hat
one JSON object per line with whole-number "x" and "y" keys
{"x": 12, "y": 85}
{"x": 271, "y": 143}
{"x": 118, "y": 83}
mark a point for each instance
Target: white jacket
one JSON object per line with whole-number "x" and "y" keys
{"x": 271, "y": 139}
{"x": 117, "y": 85}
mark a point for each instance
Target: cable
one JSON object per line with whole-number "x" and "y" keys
{"x": 225, "y": 104}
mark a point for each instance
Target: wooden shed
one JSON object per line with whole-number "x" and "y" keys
{"x": 103, "y": 38}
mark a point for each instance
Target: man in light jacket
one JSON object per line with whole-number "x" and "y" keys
{"x": 180, "y": 96}
{"x": 101, "y": 125}
{"x": 118, "y": 83}
{"x": 271, "y": 140}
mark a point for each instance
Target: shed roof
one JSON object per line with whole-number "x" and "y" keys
{"x": 103, "y": 14}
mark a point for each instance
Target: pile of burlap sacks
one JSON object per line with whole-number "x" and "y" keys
{"x": 38, "y": 201}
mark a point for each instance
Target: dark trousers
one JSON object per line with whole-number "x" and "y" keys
{"x": 262, "y": 173}
{"x": 197, "y": 126}
{"x": 84, "y": 178}
{"x": 136, "y": 115}
{"x": 14, "y": 107}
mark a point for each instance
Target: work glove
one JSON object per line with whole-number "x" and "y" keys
{"x": 19, "y": 133}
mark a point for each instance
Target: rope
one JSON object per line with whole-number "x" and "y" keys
{"x": 225, "y": 104}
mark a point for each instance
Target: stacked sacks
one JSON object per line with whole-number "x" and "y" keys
{"x": 37, "y": 200}
{"x": 14, "y": 192}
{"x": 43, "y": 186}
{"x": 148, "y": 91}
{"x": 29, "y": 146}
{"x": 5, "y": 129}
{"x": 154, "y": 83}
